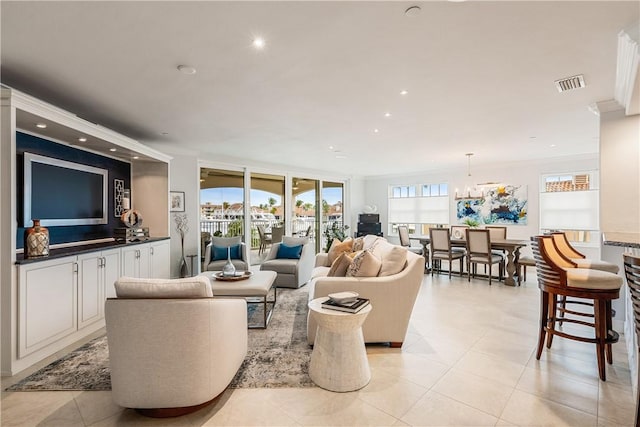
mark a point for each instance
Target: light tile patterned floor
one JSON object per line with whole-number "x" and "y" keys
{"x": 468, "y": 360}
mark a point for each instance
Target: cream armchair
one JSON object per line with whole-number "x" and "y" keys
{"x": 392, "y": 298}
{"x": 241, "y": 264}
{"x": 172, "y": 347}
{"x": 292, "y": 273}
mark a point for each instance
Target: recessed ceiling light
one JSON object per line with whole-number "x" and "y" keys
{"x": 82, "y": 139}
{"x": 413, "y": 11}
{"x": 258, "y": 43}
{"x": 331, "y": 147}
{"x": 185, "y": 69}
{"x": 136, "y": 157}
{"x": 376, "y": 131}
{"x": 387, "y": 114}
{"x": 41, "y": 125}
{"x": 404, "y": 92}
{"x": 112, "y": 149}
{"x": 552, "y": 145}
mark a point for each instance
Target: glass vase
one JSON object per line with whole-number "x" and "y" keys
{"x": 229, "y": 269}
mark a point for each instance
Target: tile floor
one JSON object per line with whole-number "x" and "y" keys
{"x": 468, "y": 360}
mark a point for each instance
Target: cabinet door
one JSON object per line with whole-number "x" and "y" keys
{"x": 47, "y": 301}
{"x": 111, "y": 270}
{"x": 144, "y": 262}
{"x": 130, "y": 265}
{"x": 159, "y": 266}
{"x": 90, "y": 280}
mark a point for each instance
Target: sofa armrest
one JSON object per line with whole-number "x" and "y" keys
{"x": 207, "y": 254}
{"x": 322, "y": 260}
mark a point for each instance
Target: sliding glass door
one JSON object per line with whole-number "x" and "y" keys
{"x": 267, "y": 213}
{"x": 332, "y": 209}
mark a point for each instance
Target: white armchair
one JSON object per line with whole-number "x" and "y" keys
{"x": 210, "y": 264}
{"x": 292, "y": 273}
{"x": 172, "y": 348}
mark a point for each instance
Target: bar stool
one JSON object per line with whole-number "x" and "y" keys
{"x": 632, "y": 272}
{"x": 559, "y": 276}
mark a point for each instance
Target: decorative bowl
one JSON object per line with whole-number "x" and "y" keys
{"x": 344, "y": 297}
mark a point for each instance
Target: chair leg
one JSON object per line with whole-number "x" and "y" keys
{"x": 450, "y": 266}
{"x": 490, "y": 265}
{"x": 544, "y": 314}
{"x": 601, "y": 335}
{"x": 562, "y": 307}
{"x": 552, "y": 318}
{"x": 609, "y": 327}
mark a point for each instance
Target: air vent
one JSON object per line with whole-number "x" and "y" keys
{"x": 570, "y": 83}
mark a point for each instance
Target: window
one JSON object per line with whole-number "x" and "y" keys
{"x": 428, "y": 208}
{"x": 569, "y": 202}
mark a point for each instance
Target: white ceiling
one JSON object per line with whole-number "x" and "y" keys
{"x": 480, "y": 77}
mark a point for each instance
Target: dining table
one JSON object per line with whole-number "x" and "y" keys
{"x": 510, "y": 246}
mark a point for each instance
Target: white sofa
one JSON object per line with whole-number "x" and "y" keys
{"x": 392, "y": 298}
{"x": 172, "y": 347}
{"x": 292, "y": 273}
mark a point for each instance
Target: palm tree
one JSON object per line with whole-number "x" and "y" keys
{"x": 299, "y": 203}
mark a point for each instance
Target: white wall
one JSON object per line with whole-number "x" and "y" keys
{"x": 517, "y": 173}
{"x": 184, "y": 176}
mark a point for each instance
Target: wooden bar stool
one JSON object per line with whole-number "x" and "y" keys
{"x": 559, "y": 277}
{"x": 632, "y": 272}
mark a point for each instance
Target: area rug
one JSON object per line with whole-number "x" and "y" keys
{"x": 277, "y": 356}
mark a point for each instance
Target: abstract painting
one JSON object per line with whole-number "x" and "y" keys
{"x": 503, "y": 204}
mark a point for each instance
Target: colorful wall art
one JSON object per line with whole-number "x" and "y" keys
{"x": 504, "y": 204}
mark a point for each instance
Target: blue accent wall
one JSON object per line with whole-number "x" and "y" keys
{"x": 70, "y": 233}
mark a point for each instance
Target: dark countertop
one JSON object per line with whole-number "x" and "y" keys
{"x": 82, "y": 249}
{"x": 627, "y": 240}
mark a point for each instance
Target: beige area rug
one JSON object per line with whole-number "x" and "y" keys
{"x": 277, "y": 356}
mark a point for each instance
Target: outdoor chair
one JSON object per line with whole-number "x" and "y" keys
{"x": 264, "y": 238}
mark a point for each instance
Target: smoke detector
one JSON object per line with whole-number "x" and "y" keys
{"x": 570, "y": 83}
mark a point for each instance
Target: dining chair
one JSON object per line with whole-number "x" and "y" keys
{"x": 441, "y": 250}
{"x": 458, "y": 231}
{"x": 559, "y": 276}
{"x": 479, "y": 252}
{"x": 403, "y": 234}
{"x": 632, "y": 273}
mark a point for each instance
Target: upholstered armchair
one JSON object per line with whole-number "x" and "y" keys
{"x": 215, "y": 255}
{"x": 172, "y": 347}
{"x": 292, "y": 272}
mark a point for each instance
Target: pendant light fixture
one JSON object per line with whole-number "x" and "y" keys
{"x": 469, "y": 193}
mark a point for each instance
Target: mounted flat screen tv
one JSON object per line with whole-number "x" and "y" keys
{"x": 58, "y": 192}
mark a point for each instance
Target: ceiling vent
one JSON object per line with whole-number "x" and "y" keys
{"x": 570, "y": 83}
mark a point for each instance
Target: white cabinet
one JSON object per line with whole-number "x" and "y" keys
{"x": 135, "y": 261}
{"x": 159, "y": 259}
{"x": 47, "y": 301}
{"x": 97, "y": 272}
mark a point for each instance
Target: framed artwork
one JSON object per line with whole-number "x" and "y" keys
{"x": 176, "y": 201}
{"x": 504, "y": 204}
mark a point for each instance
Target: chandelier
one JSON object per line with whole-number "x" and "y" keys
{"x": 469, "y": 193}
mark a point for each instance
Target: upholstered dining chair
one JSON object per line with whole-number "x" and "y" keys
{"x": 403, "y": 235}
{"x": 632, "y": 273}
{"x": 441, "y": 250}
{"x": 559, "y": 276}
{"x": 479, "y": 252}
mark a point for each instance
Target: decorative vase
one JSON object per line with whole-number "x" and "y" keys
{"x": 184, "y": 267}
{"x": 36, "y": 241}
{"x": 229, "y": 269}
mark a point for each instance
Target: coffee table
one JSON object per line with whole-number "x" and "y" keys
{"x": 255, "y": 290}
{"x": 339, "y": 358}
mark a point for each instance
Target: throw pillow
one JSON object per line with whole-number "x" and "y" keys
{"x": 340, "y": 266}
{"x": 358, "y": 244}
{"x": 220, "y": 252}
{"x": 394, "y": 259}
{"x": 370, "y": 239}
{"x": 338, "y": 247}
{"x": 289, "y": 252}
{"x": 365, "y": 264}
{"x": 190, "y": 287}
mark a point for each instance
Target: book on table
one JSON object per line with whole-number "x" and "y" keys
{"x": 352, "y": 307}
